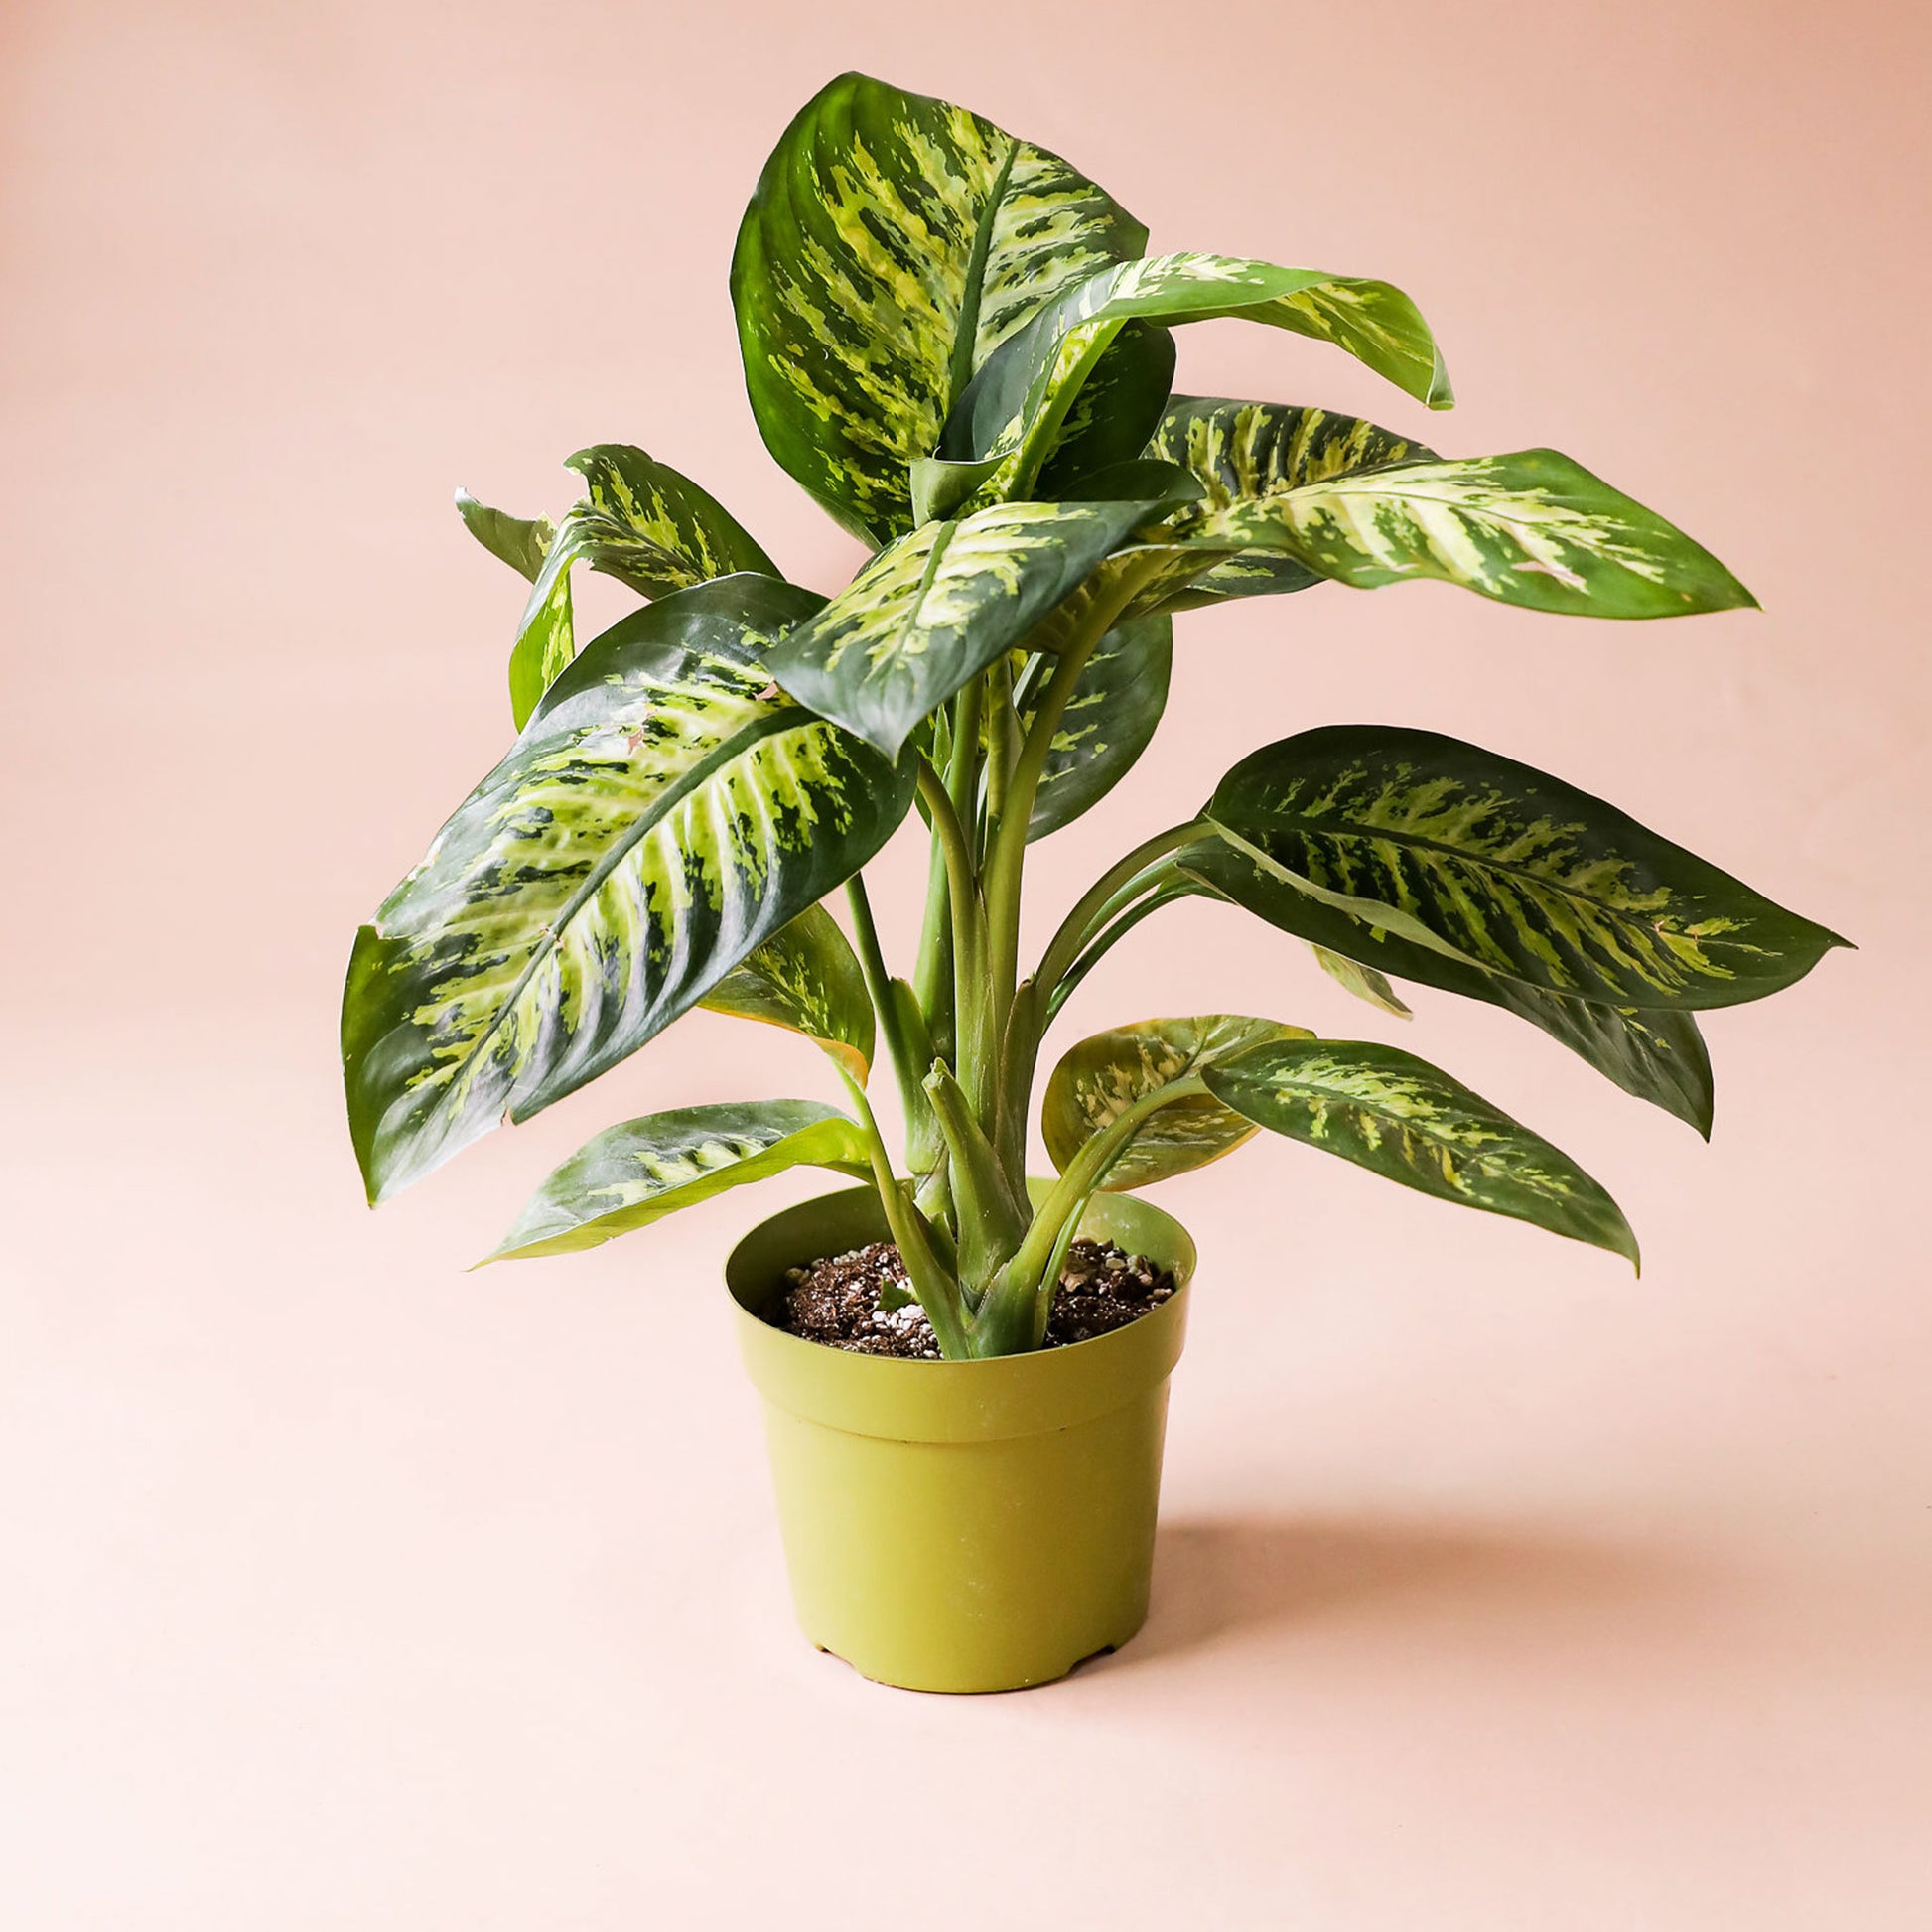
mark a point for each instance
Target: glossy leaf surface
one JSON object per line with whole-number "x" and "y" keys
{"x": 1401, "y": 1118}
{"x": 1532, "y": 528}
{"x": 892, "y": 243}
{"x": 938, "y": 606}
{"x": 1099, "y": 1080}
{"x": 1657, "y": 1054}
{"x": 659, "y": 821}
{"x": 637, "y": 1172}
{"x": 1506, "y": 868}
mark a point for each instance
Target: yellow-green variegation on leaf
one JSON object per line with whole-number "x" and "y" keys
{"x": 1246, "y": 453}
{"x": 892, "y": 243}
{"x": 1401, "y": 1118}
{"x": 640, "y": 521}
{"x": 1532, "y": 528}
{"x": 1023, "y": 398}
{"x": 1504, "y": 867}
{"x": 636, "y": 1174}
{"x": 1657, "y": 1054}
{"x": 808, "y": 980}
{"x": 660, "y": 818}
{"x": 1105, "y": 1078}
{"x": 938, "y": 606}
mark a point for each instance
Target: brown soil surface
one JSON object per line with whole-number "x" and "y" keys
{"x": 836, "y": 1300}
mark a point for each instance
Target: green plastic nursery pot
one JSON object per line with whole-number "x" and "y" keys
{"x": 963, "y": 1526}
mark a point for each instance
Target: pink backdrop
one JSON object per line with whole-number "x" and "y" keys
{"x": 339, "y": 1589}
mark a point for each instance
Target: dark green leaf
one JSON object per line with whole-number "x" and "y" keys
{"x": 1657, "y": 1056}
{"x": 1499, "y": 866}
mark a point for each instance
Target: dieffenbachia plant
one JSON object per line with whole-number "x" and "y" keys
{"x": 956, "y": 342}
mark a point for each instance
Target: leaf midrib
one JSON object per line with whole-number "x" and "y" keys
{"x": 959, "y": 370}
{"x": 1326, "y": 828}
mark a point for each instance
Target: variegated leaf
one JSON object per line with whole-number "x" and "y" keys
{"x": 1657, "y": 1056}
{"x": 1530, "y": 528}
{"x": 808, "y": 980}
{"x": 519, "y": 541}
{"x": 938, "y": 606}
{"x": 636, "y": 1174}
{"x": 640, "y": 521}
{"x": 892, "y": 243}
{"x": 1494, "y": 864}
{"x": 658, "y": 820}
{"x": 1108, "y": 723}
{"x": 1032, "y": 382}
{"x": 1401, "y": 1118}
{"x": 1098, "y": 1080}
{"x": 1250, "y": 452}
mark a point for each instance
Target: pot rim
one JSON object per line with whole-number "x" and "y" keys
{"x": 999, "y": 1396}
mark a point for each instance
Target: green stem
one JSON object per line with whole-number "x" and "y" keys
{"x": 1096, "y": 903}
{"x": 1006, "y": 857}
{"x": 938, "y": 1294}
{"x": 1068, "y": 982}
{"x": 879, "y": 986}
{"x": 1025, "y": 1274}
{"x": 963, "y": 767}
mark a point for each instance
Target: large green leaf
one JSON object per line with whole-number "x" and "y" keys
{"x": 892, "y": 243}
{"x": 1098, "y": 1080}
{"x": 1657, "y": 1056}
{"x": 636, "y": 1174}
{"x": 1108, "y": 723}
{"x": 640, "y": 521}
{"x": 658, "y": 820}
{"x": 1505, "y": 868}
{"x": 808, "y": 980}
{"x": 1250, "y": 452}
{"x": 1024, "y": 395}
{"x": 1407, "y": 1120}
{"x": 1530, "y": 528}
{"x": 938, "y": 606}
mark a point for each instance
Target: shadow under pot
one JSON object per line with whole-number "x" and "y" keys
{"x": 963, "y": 1526}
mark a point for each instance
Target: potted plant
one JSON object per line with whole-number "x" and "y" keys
{"x": 957, "y": 344}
